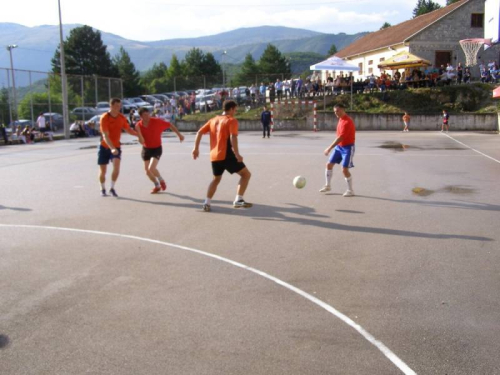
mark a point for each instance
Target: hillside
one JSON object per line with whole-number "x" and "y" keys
{"x": 38, "y": 44}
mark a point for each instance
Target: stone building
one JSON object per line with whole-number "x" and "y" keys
{"x": 433, "y": 36}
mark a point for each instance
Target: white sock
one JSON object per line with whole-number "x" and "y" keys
{"x": 113, "y": 184}
{"x": 349, "y": 183}
{"x": 239, "y": 198}
{"x": 328, "y": 176}
{"x": 103, "y": 186}
{"x": 208, "y": 200}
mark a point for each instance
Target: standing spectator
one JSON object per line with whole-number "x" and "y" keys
{"x": 272, "y": 93}
{"x": 131, "y": 119}
{"x": 262, "y": 90}
{"x": 42, "y": 126}
{"x": 446, "y": 120}
{"x": 173, "y": 102}
{"x": 265, "y": 119}
{"x": 192, "y": 101}
{"x": 298, "y": 87}
{"x": 406, "y": 121}
{"x": 253, "y": 93}
{"x": 3, "y": 133}
{"x": 460, "y": 73}
{"x": 279, "y": 89}
{"x": 293, "y": 87}
{"x": 286, "y": 87}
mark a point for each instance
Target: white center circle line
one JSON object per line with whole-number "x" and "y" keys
{"x": 378, "y": 344}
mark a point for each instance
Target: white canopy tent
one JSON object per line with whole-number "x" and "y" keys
{"x": 336, "y": 63}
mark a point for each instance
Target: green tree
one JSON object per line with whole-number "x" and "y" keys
{"x": 128, "y": 73}
{"x": 211, "y": 69}
{"x": 385, "y": 25}
{"x": 176, "y": 77}
{"x": 193, "y": 63}
{"x": 85, "y": 54}
{"x": 425, "y": 6}
{"x": 449, "y": 2}
{"x": 273, "y": 62}
{"x": 4, "y": 106}
{"x": 155, "y": 80}
{"x": 333, "y": 50}
{"x": 249, "y": 70}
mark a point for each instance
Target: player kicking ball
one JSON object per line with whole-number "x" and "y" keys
{"x": 149, "y": 130}
{"x": 343, "y": 150}
{"x": 224, "y": 153}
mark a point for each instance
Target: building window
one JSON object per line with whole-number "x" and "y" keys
{"x": 370, "y": 62}
{"x": 382, "y": 59}
{"x": 360, "y": 65}
{"x": 477, "y": 20}
{"x": 370, "y": 70}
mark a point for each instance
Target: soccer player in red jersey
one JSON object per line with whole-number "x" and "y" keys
{"x": 149, "y": 130}
{"x": 343, "y": 150}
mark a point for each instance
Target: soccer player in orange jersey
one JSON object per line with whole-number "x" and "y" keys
{"x": 224, "y": 153}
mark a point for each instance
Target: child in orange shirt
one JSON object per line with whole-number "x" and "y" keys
{"x": 406, "y": 120}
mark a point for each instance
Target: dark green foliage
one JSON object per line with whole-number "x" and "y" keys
{"x": 425, "y": 6}
{"x": 127, "y": 71}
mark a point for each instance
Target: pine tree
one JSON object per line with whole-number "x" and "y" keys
{"x": 4, "y": 106}
{"x": 155, "y": 80}
{"x": 385, "y": 25}
{"x": 128, "y": 73}
{"x": 273, "y": 62}
{"x": 425, "y": 6}
{"x": 85, "y": 54}
{"x": 333, "y": 50}
{"x": 249, "y": 70}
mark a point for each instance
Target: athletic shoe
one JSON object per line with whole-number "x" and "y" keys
{"x": 349, "y": 193}
{"x": 242, "y": 204}
{"x": 206, "y": 208}
{"x": 155, "y": 190}
{"x": 113, "y": 193}
{"x": 325, "y": 188}
{"x": 163, "y": 185}
{"x": 103, "y": 193}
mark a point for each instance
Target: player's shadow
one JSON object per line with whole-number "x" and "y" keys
{"x": 4, "y": 341}
{"x": 454, "y": 204}
{"x": 303, "y": 215}
{"x": 20, "y": 209}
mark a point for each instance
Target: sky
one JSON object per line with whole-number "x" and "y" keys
{"x": 149, "y": 20}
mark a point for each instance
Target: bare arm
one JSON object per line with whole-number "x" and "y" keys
{"x": 196, "y": 151}
{"x": 105, "y": 136}
{"x": 176, "y": 131}
{"x": 335, "y": 143}
{"x": 234, "y": 143}
{"x": 131, "y": 131}
{"x": 139, "y": 135}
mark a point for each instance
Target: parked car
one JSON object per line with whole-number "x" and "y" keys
{"x": 140, "y": 103}
{"x": 202, "y": 101}
{"x": 101, "y": 107}
{"x": 83, "y": 113}
{"x": 150, "y": 99}
{"x": 56, "y": 120}
{"x": 161, "y": 97}
{"x": 127, "y": 106}
{"x": 95, "y": 119}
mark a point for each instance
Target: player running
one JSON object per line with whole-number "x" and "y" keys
{"x": 343, "y": 150}
{"x": 149, "y": 130}
{"x": 224, "y": 153}
{"x": 112, "y": 124}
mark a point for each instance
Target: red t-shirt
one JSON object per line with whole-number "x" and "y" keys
{"x": 152, "y": 133}
{"x": 346, "y": 130}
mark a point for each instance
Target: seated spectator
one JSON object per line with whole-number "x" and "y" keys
{"x": 18, "y": 136}
{"x": 92, "y": 129}
{"x": 78, "y": 129}
{"x": 28, "y": 135}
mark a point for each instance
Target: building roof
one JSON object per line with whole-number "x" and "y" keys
{"x": 397, "y": 34}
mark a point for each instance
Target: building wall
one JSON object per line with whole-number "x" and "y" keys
{"x": 446, "y": 33}
{"x": 374, "y": 56}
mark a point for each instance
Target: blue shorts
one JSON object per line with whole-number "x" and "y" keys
{"x": 104, "y": 155}
{"x": 343, "y": 155}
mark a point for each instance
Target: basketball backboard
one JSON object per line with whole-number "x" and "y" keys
{"x": 492, "y": 20}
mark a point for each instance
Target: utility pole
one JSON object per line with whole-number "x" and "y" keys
{"x": 10, "y": 47}
{"x": 64, "y": 80}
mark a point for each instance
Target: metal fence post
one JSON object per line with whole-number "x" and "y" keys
{"x": 31, "y": 100}
{"x": 50, "y": 102}
{"x": 96, "y": 91}
{"x": 109, "y": 89}
{"x": 83, "y": 95}
{"x": 8, "y": 92}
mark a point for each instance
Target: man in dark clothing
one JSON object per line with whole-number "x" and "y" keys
{"x": 3, "y": 134}
{"x": 265, "y": 119}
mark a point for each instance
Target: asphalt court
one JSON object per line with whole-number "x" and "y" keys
{"x": 388, "y": 282}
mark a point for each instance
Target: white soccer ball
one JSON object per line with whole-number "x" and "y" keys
{"x": 299, "y": 182}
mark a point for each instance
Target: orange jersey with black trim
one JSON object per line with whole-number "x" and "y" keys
{"x": 220, "y": 129}
{"x": 114, "y": 127}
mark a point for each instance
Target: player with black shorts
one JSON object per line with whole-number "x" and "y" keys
{"x": 224, "y": 153}
{"x": 149, "y": 130}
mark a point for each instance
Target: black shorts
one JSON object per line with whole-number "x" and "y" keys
{"x": 230, "y": 164}
{"x": 149, "y": 153}
{"x": 104, "y": 155}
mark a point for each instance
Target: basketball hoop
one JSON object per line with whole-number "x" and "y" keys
{"x": 471, "y": 48}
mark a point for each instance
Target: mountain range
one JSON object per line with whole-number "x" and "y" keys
{"x": 36, "y": 45}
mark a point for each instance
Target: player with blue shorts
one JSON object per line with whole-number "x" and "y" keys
{"x": 341, "y": 151}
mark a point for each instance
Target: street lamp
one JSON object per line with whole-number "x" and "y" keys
{"x": 10, "y": 47}
{"x": 63, "y": 78}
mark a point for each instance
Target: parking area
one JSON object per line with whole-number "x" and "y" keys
{"x": 402, "y": 278}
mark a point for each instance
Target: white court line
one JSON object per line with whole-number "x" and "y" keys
{"x": 473, "y": 149}
{"x": 372, "y": 340}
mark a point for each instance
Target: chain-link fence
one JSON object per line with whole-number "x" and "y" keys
{"x": 26, "y": 93}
